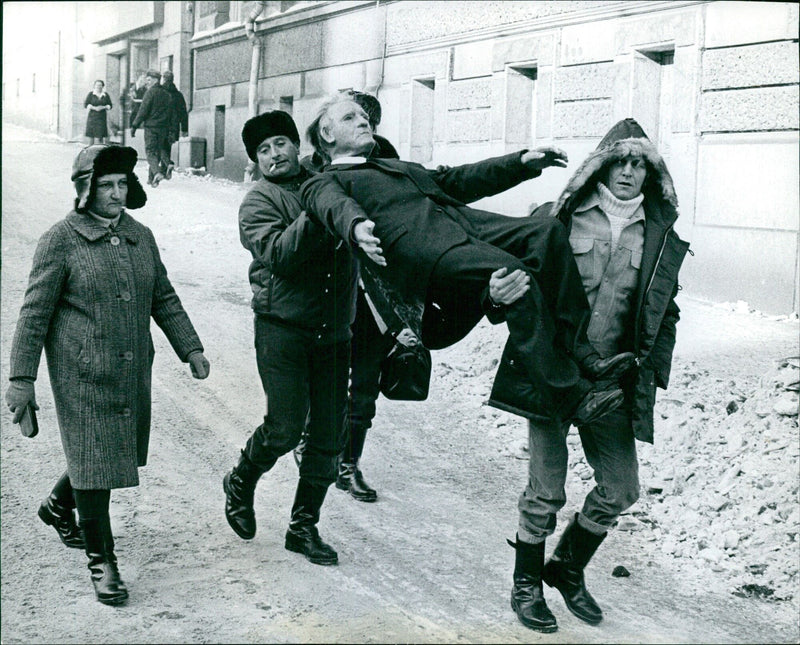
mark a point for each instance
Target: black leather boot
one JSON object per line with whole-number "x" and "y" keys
{"x": 564, "y": 571}
{"x": 527, "y": 596}
{"x": 350, "y": 477}
{"x": 303, "y": 536}
{"x": 240, "y": 487}
{"x": 108, "y": 587}
{"x": 62, "y": 519}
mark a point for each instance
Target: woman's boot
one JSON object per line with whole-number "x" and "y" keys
{"x": 527, "y": 596}
{"x": 564, "y": 571}
{"x": 108, "y": 587}
{"x": 350, "y": 477}
{"x": 303, "y": 536}
{"x": 58, "y": 510}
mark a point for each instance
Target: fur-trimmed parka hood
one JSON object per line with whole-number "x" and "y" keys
{"x": 624, "y": 139}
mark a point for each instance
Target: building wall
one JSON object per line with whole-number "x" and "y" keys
{"x": 714, "y": 84}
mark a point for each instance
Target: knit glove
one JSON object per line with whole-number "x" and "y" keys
{"x": 199, "y": 364}
{"x": 18, "y": 395}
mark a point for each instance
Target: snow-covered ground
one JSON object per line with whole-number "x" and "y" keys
{"x": 717, "y": 523}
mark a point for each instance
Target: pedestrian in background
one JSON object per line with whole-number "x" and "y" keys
{"x": 304, "y": 286}
{"x": 619, "y": 209}
{"x": 136, "y": 96}
{"x": 179, "y": 125}
{"x": 96, "y": 281}
{"x": 155, "y": 115}
{"x": 97, "y": 104}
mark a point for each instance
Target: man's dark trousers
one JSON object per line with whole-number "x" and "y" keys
{"x": 547, "y": 326}
{"x": 298, "y": 373}
{"x": 157, "y": 147}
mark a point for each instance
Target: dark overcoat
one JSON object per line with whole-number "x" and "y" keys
{"x": 419, "y": 214}
{"x": 89, "y": 301}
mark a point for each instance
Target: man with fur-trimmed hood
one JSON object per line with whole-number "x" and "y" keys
{"x": 619, "y": 209}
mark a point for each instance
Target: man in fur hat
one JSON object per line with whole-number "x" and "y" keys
{"x": 304, "y": 288}
{"x": 619, "y": 209}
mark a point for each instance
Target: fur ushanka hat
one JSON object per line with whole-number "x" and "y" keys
{"x": 98, "y": 160}
{"x": 269, "y": 124}
{"x": 626, "y": 138}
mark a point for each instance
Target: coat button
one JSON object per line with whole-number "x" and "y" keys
{"x": 115, "y": 241}
{"x": 128, "y": 356}
{"x": 125, "y": 295}
{"x": 126, "y": 412}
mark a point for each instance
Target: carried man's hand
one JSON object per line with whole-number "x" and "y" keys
{"x": 367, "y": 242}
{"x": 505, "y": 287}
{"x": 545, "y": 157}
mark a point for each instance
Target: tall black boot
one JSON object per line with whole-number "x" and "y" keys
{"x": 58, "y": 510}
{"x": 303, "y": 536}
{"x": 564, "y": 570}
{"x": 350, "y": 477}
{"x": 240, "y": 487}
{"x": 527, "y": 596}
{"x": 108, "y": 587}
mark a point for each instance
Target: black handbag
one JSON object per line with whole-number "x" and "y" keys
{"x": 406, "y": 373}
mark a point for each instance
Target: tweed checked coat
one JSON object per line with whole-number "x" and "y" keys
{"x": 89, "y": 301}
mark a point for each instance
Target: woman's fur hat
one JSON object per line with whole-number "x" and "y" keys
{"x": 626, "y": 138}
{"x": 269, "y": 124}
{"x": 98, "y": 160}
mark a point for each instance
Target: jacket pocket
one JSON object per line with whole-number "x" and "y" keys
{"x": 584, "y": 253}
{"x": 390, "y": 235}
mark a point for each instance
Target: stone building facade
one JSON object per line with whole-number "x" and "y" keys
{"x": 715, "y": 84}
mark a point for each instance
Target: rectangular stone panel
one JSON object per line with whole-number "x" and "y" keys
{"x": 401, "y": 69}
{"x": 581, "y": 118}
{"x": 676, "y": 28}
{"x": 748, "y": 182}
{"x": 472, "y": 60}
{"x": 537, "y": 49}
{"x": 222, "y": 64}
{"x": 737, "y": 23}
{"x": 469, "y": 125}
{"x": 588, "y": 43}
{"x": 750, "y": 65}
{"x": 764, "y": 108}
{"x": 464, "y": 95}
{"x": 584, "y": 82}
{"x": 731, "y": 264}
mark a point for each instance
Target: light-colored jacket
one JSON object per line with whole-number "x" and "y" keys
{"x": 89, "y": 301}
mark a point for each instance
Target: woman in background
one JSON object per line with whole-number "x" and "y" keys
{"x": 97, "y": 104}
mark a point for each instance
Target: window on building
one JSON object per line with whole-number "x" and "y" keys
{"x": 422, "y": 114}
{"x": 286, "y": 104}
{"x": 165, "y": 64}
{"x": 653, "y": 94}
{"x": 521, "y": 104}
{"x": 219, "y": 132}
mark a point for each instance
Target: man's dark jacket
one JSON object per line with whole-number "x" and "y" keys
{"x": 651, "y": 330}
{"x": 419, "y": 215}
{"x": 180, "y": 117}
{"x": 155, "y": 111}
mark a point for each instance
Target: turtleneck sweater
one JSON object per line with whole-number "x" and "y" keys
{"x": 619, "y": 211}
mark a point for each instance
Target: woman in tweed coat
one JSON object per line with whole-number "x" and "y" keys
{"x": 96, "y": 280}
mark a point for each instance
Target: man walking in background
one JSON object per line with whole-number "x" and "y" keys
{"x": 179, "y": 125}
{"x": 155, "y": 115}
